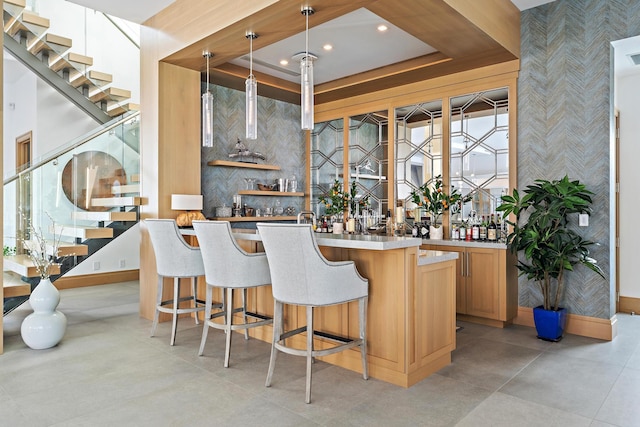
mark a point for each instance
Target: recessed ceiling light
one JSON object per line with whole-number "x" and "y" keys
{"x": 284, "y": 62}
{"x": 382, "y": 28}
{"x": 327, "y": 47}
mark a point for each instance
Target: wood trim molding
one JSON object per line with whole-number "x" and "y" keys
{"x": 85, "y": 280}
{"x": 629, "y": 305}
{"x": 592, "y": 327}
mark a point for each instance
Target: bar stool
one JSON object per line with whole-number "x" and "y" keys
{"x": 227, "y": 265}
{"x": 301, "y": 275}
{"x": 176, "y": 259}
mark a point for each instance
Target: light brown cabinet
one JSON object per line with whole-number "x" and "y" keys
{"x": 486, "y": 284}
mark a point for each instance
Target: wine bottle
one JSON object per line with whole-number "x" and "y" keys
{"x": 475, "y": 229}
{"x": 492, "y": 230}
{"x": 483, "y": 229}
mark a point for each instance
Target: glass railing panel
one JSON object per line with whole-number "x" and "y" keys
{"x": 74, "y": 182}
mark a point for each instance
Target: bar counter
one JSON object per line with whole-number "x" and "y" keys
{"x": 411, "y": 311}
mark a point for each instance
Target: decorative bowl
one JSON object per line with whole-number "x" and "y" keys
{"x": 265, "y": 187}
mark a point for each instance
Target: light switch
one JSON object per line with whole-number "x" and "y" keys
{"x": 583, "y": 220}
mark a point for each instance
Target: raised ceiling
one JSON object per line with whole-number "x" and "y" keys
{"x": 426, "y": 39}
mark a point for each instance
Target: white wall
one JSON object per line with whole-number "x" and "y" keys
{"x": 627, "y": 95}
{"x": 126, "y": 248}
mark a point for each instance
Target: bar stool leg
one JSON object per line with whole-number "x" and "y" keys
{"x": 194, "y": 291}
{"x": 207, "y": 319}
{"x": 176, "y": 297}
{"x": 229, "y": 307}
{"x": 362, "y": 309}
{"x": 244, "y": 312}
{"x": 277, "y": 332}
{"x": 156, "y": 315}
{"x": 309, "y": 351}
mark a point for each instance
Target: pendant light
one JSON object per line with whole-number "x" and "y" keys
{"x": 207, "y": 109}
{"x": 251, "y": 93}
{"x": 306, "y": 77}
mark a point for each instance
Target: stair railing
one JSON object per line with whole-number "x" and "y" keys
{"x": 89, "y": 188}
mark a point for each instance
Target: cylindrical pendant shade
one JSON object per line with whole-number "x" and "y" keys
{"x": 306, "y": 87}
{"x": 186, "y": 202}
{"x": 207, "y": 119}
{"x": 251, "y": 90}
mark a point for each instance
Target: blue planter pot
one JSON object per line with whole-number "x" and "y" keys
{"x": 549, "y": 324}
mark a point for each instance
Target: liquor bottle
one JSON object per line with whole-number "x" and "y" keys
{"x": 492, "y": 230}
{"x": 463, "y": 231}
{"x": 475, "y": 229}
{"x": 483, "y": 229}
{"x": 389, "y": 224}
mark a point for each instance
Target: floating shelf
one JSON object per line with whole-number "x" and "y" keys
{"x": 256, "y": 218}
{"x": 231, "y": 164}
{"x": 270, "y": 193}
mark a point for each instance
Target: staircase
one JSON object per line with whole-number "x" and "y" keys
{"x": 51, "y": 57}
{"x": 87, "y": 215}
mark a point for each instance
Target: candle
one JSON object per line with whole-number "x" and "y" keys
{"x": 399, "y": 215}
{"x": 351, "y": 225}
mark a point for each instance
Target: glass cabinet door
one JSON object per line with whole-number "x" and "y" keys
{"x": 368, "y": 140}
{"x": 418, "y": 148}
{"x": 327, "y": 160}
{"x": 479, "y": 160}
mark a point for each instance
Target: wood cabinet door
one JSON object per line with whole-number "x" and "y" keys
{"x": 461, "y": 284}
{"x": 482, "y": 283}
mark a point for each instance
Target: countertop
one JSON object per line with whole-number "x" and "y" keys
{"x": 431, "y": 257}
{"x": 347, "y": 241}
{"x": 464, "y": 243}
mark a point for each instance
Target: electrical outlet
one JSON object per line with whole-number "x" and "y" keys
{"x": 122, "y": 263}
{"x": 583, "y": 220}
{"x": 96, "y": 265}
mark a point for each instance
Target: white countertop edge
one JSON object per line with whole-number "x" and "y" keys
{"x": 427, "y": 257}
{"x": 346, "y": 241}
{"x": 464, "y": 244}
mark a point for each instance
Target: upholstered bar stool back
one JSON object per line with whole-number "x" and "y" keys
{"x": 228, "y": 266}
{"x": 301, "y": 275}
{"x": 176, "y": 259}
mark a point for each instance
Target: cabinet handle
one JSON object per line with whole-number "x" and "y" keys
{"x": 462, "y": 264}
{"x": 467, "y": 259}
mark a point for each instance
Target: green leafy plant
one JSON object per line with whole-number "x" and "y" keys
{"x": 543, "y": 235}
{"x": 337, "y": 201}
{"x": 8, "y": 250}
{"x": 433, "y": 198}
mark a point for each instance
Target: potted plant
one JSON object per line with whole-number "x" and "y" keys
{"x": 338, "y": 200}
{"x": 436, "y": 201}
{"x": 549, "y": 245}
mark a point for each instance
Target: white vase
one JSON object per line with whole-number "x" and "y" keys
{"x": 435, "y": 233}
{"x": 45, "y": 327}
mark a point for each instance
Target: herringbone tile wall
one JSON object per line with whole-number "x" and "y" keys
{"x": 280, "y": 139}
{"x": 564, "y": 116}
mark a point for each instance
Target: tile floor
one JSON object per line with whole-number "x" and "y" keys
{"x": 107, "y": 371}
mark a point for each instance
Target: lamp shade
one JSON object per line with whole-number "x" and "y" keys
{"x": 186, "y": 202}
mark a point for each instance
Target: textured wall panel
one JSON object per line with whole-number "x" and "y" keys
{"x": 280, "y": 139}
{"x": 564, "y": 109}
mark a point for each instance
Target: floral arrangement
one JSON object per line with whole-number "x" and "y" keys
{"x": 338, "y": 200}
{"x": 435, "y": 200}
{"x": 36, "y": 247}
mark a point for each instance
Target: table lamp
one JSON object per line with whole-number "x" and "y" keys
{"x": 191, "y": 205}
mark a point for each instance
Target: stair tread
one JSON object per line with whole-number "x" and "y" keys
{"x": 93, "y": 79}
{"x": 60, "y": 62}
{"x": 66, "y": 248}
{"x": 17, "y": 3}
{"x": 16, "y": 289}
{"x": 49, "y": 42}
{"x": 116, "y": 201}
{"x": 84, "y": 231}
{"x": 105, "y": 216}
{"x": 27, "y": 21}
{"x": 118, "y": 109}
{"x": 124, "y": 189}
{"x": 111, "y": 93}
{"x": 22, "y": 265}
